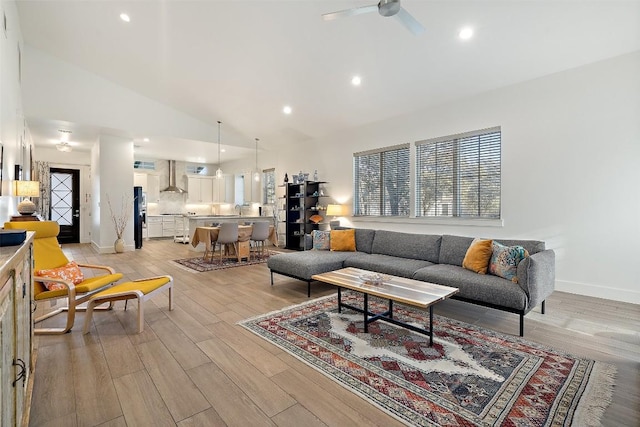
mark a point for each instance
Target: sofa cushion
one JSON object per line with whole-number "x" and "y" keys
{"x": 478, "y": 256}
{"x": 505, "y": 259}
{"x": 453, "y": 249}
{"x": 305, "y": 264}
{"x": 343, "y": 240}
{"x": 386, "y": 264}
{"x": 532, "y": 246}
{"x": 477, "y": 287}
{"x": 321, "y": 240}
{"x": 425, "y": 247}
{"x": 364, "y": 238}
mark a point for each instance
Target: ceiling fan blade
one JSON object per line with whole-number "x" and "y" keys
{"x": 350, "y": 12}
{"x": 409, "y": 21}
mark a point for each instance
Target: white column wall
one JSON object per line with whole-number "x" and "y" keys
{"x": 111, "y": 160}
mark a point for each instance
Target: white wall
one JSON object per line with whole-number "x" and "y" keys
{"x": 63, "y": 90}
{"x": 570, "y": 168}
{"x": 13, "y": 135}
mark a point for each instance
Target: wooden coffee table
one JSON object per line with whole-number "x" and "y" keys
{"x": 407, "y": 291}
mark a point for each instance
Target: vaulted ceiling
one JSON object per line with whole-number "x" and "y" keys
{"x": 242, "y": 61}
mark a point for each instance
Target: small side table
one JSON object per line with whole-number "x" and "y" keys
{"x": 25, "y": 218}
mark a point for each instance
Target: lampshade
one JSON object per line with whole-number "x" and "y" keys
{"x": 334, "y": 210}
{"x": 27, "y": 188}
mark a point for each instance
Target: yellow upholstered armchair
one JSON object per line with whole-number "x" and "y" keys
{"x": 48, "y": 255}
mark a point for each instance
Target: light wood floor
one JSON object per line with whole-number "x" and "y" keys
{"x": 194, "y": 366}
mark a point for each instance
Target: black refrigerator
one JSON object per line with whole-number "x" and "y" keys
{"x": 138, "y": 216}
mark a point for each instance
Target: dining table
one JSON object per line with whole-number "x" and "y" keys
{"x": 209, "y": 235}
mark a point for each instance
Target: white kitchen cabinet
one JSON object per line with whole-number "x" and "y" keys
{"x": 150, "y": 184}
{"x": 223, "y": 189}
{"x": 140, "y": 180}
{"x": 153, "y": 188}
{"x": 200, "y": 189}
{"x": 169, "y": 225}
{"x": 16, "y": 333}
{"x": 154, "y": 226}
{"x": 247, "y": 181}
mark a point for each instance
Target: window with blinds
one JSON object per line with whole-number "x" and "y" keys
{"x": 269, "y": 187}
{"x": 139, "y": 164}
{"x": 382, "y": 182}
{"x": 459, "y": 176}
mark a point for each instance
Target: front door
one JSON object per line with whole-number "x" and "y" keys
{"x": 65, "y": 203}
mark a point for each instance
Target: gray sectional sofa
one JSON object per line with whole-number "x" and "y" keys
{"x": 436, "y": 259}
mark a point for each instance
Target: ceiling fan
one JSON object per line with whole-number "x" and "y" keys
{"x": 385, "y": 8}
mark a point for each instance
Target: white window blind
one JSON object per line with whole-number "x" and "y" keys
{"x": 459, "y": 176}
{"x": 382, "y": 182}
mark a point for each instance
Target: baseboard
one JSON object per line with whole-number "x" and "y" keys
{"x": 109, "y": 249}
{"x": 615, "y": 294}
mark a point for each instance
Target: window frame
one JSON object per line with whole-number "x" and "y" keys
{"x": 459, "y": 144}
{"x": 382, "y": 196}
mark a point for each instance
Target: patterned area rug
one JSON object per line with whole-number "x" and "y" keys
{"x": 470, "y": 377}
{"x": 200, "y": 265}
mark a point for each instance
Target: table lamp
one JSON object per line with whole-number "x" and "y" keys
{"x": 334, "y": 211}
{"x": 27, "y": 189}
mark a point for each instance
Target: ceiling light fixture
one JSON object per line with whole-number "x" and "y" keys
{"x": 63, "y": 146}
{"x": 256, "y": 174}
{"x": 125, "y": 17}
{"x": 145, "y": 139}
{"x": 287, "y": 110}
{"x": 219, "y": 171}
{"x": 466, "y": 33}
{"x": 356, "y": 80}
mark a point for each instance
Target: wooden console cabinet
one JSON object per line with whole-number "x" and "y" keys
{"x": 16, "y": 332}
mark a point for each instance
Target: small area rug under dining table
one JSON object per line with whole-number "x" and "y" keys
{"x": 201, "y": 265}
{"x": 470, "y": 377}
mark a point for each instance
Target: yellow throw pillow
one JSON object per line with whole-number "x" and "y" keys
{"x": 343, "y": 240}
{"x": 478, "y": 256}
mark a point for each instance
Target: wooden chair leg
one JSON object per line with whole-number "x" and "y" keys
{"x": 140, "y": 315}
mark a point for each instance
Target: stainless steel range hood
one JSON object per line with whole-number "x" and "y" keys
{"x": 173, "y": 188}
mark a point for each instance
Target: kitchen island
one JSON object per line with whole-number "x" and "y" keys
{"x": 195, "y": 221}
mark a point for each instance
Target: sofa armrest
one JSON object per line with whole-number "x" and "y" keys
{"x": 537, "y": 276}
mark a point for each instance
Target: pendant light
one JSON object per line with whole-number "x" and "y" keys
{"x": 256, "y": 174}
{"x": 219, "y": 171}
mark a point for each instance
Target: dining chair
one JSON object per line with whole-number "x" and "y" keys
{"x": 259, "y": 236}
{"x": 227, "y": 235}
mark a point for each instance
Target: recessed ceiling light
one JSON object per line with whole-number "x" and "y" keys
{"x": 125, "y": 17}
{"x": 145, "y": 139}
{"x": 466, "y": 33}
{"x": 356, "y": 80}
{"x": 222, "y": 150}
{"x": 287, "y": 109}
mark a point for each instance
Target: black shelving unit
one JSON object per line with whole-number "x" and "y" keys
{"x": 303, "y": 200}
